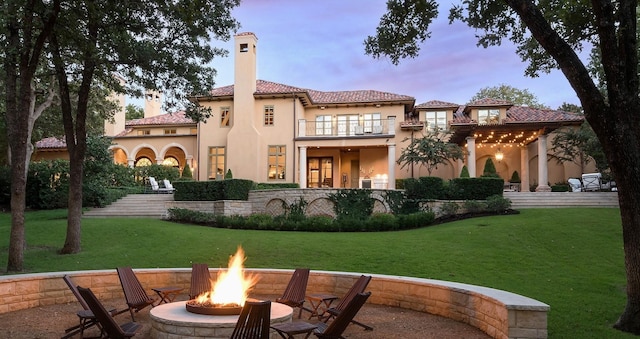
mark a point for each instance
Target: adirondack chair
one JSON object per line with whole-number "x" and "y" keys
{"x": 200, "y": 280}
{"x": 109, "y": 326}
{"x": 137, "y": 299}
{"x": 254, "y": 320}
{"x": 85, "y": 316}
{"x": 357, "y": 287}
{"x": 294, "y": 294}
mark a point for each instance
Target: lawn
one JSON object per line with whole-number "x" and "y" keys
{"x": 570, "y": 258}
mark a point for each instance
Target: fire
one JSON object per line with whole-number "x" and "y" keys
{"x": 232, "y": 286}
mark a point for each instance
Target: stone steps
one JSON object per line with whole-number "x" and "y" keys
{"x": 562, "y": 199}
{"x": 133, "y": 205}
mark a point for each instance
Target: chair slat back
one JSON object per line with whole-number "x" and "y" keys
{"x": 74, "y": 290}
{"x": 105, "y": 319}
{"x": 254, "y": 320}
{"x": 200, "y": 280}
{"x": 357, "y": 287}
{"x": 134, "y": 293}
{"x": 340, "y": 323}
{"x": 294, "y": 294}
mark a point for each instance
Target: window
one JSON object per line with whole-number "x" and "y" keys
{"x": 268, "y": 115}
{"x": 347, "y": 124}
{"x": 372, "y": 123}
{"x": 171, "y": 162}
{"x": 244, "y": 48}
{"x": 143, "y": 161}
{"x": 169, "y": 131}
{"x": 216, "y": 162}
{"x": 277, "y": 162}
{"x": 488, "y": 116}
{"x": 320, "y": 172}
{"x": 193, "y": 130}
{"x": 436, "y": 120}
{"x": 323, "y": 125}
{"x": 225, "y": 116}
{"x": 144, "y": 132}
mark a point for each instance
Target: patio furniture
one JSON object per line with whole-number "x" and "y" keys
{"x": 200, "y": 280}
{"x": 575, "y": 184}
{"x": 254, "y": 320}
{"x": 168, "y": 185}
{"x": 86, "y": 317}
{"x": 591, "y": 182}
{"x": 320, "y": 300}
{"x": 357, "y": 287}
{"x": 322, "y": 330}
{"x": 294, "y": 293}
{"x": 155, "y": 187}
{"x": 167, "y": 294}
{"x": 109, "y": 326}
{"x": 135, "y": 295}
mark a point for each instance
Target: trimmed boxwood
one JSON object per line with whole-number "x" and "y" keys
{"x": 475, "y": 188}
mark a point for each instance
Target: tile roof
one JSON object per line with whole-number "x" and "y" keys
{"x": 528, "y": 114}
{"x": 490, "y": 102}
{"x": 437, "y": 104}
{"x": 51, "y": 143}
{"x": 175, "y": 118}
{"x": 317, "y": 97}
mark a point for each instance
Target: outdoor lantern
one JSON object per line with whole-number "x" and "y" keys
{"x": 499, "y": 155}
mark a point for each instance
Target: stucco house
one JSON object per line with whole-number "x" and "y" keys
{"x": 272, "y": 132}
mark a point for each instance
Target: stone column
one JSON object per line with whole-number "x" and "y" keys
{"x": 524, "y": 169}
{"x": 471, "y": 158}
{"x": 131, "y": 162}
{"x": 543, "y": 175}
{"x": 303, "y": 167}
{"x": 391, "y": 156}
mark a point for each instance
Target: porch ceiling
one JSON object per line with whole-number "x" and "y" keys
{"x": 513, "y": 134}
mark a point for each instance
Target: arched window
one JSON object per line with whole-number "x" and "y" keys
{"x": 171, "y": 161}
{"x": 143, "y": 161}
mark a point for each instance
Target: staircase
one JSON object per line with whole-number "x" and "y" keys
{"x": 133, "y": 205}
{"x": 562, "y": 199}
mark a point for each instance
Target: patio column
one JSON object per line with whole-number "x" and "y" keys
{"x": 524, "y": 169}
{"x": 543, "y": 175}
{"x": 471, "y": 158}
{"x": 391, "y": 163}
{"x": 131, "y": 162}
{"x": 303, "y": 167}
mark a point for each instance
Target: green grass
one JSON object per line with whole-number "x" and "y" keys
{"x": 571, "y": 259}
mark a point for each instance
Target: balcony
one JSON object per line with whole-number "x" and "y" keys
{"x": 346, "y": 129}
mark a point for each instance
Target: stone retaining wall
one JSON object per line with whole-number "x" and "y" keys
{"x": 498, "y": 313}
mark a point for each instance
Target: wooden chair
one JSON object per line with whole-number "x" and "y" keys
{"x": 109, "y": 326}
{"x": 332, "y": 330}
{"x": 254, "y": 320}
{"x": 357, "y": 287}
{"x": 137, "y": 299}
{"x": 294, "y": 294}
{"x": 86, "y": 317}
{"x": 200, "y": 280}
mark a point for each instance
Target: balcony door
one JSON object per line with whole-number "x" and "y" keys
{"x": 320, "y": 172}
{"x": 347, "y": 124}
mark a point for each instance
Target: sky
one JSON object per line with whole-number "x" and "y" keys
{"x": 319, "y": 45}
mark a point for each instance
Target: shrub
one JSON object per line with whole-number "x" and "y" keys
{"x": 228, "y": 175}
{"x": 449, "y": 208}
{"x": 465, "y": 172}
{"x": 186, "y": 173}
{"x": 382, "y": 222}
{"x": 498, "y": 203}
{"x": 415, "y": 220}
{"x": 475, "y": 188}
{"x": 352, "y": 204}
{"x": 474, "y": 206}
{"x": 489, "y": 169}
{"x": 296, "y": 210}
{"x": 515, "y": 177}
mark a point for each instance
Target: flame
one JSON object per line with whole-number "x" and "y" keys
{"x": 232, "y": 286}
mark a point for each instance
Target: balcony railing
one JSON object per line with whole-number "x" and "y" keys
{"x": 347, "y": 129}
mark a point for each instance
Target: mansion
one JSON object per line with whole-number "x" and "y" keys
{"x": 271, "y": 132}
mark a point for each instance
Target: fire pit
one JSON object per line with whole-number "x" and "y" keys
{"x": 195, "y": 307}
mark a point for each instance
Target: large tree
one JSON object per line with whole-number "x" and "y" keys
{"x": 430, "y": 150}
{"x": 548, "y": 35}
{"x": 25, "y": 27}
{"x": 159, "y": 45}
{"x": 520, "y": 97}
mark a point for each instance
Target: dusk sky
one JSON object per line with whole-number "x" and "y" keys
{"x": 320, "y": 45}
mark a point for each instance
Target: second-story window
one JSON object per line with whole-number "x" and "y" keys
{"x": 372, "y": 122}
{"x": 488, "y": 116}
{"x": 323, "y": 125}
{"x": 225, "y": 116}
{"x": 144, "y": 132}
{"x": 268, "y": 115}
{"x": 436, "y": 120}
{"x": 170, "y": 131}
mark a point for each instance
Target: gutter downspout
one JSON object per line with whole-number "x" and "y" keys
{"x": 295, "y": 149}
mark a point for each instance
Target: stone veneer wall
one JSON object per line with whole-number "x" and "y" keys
{"x": 498, "y": 313}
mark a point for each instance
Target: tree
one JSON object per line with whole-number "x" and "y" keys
{"x": 133, "y": 112}
{"x": 429, "y": 151}
{"x": 155, "y": 44}
{"x": 520, "y": 97}
{"x": 489, "y": 170}
{"x": 25, "y": 27}
{"x": 548, "y": 34}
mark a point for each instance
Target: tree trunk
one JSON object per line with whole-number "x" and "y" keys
{"x": 72, "y": 242}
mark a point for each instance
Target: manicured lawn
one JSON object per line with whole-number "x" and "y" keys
{"x": 571, "y": 259}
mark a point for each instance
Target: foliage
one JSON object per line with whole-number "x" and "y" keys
{"x": 475, "y": 188}
{"x": 228, "y": 175}
{"x": 580, "y": 146}
{"x": 464, "y": 173}
{"x": 516, "y": 96}
{"x": 133, "y": 112}
{"x": 186, "y": 173}
{"x": 274, "y": 185}
{"x": 449, "y": 208}
{"x": 489, "y": 169}
{"x": 296, "y": 210}
{"x": 352, "y": 204}
{"x": 429, "y": 151}
{"x": 233, "y": 189}
{"x": 515, "y": 177}
{"x": 497, "y": 203}
{"x": 474, "y": 206}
